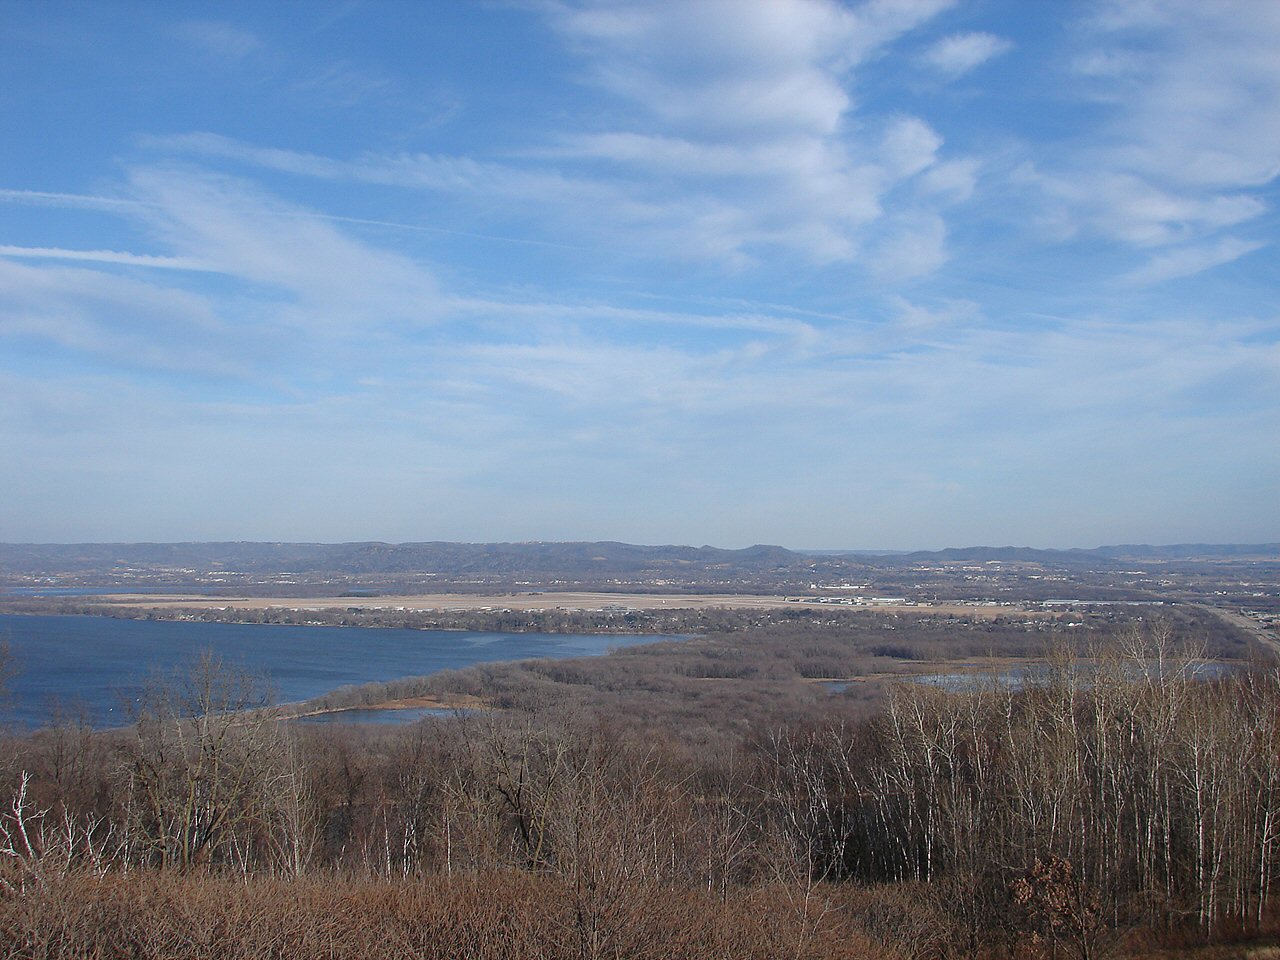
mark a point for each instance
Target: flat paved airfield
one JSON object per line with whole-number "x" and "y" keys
{"x": 568, "y": 601}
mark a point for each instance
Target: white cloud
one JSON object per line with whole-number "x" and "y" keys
{"x": 731, "y": 133}
{"x": 753, "y": 105}
{"x": 1188, "y": 261}
{"x": 586, "y": 391}
{"x": 236, "y": 229}
{"x": 133, "y": 323}
{"x": 105, "y": 256}
{"x": 1201, "y": 84}
{"x": 747, "y": 143}
{"x": 119, "y": 205}
{"x": 687, "y": 199}
{"x": 922, "y": 317}
{"x": 912, "y": 247}
{"x": 960, "y": 53}
{"x": 1190, "y": 131}
{"x": 295, "y": 296}
{"x": 724, "y": 66}
{"x": 220, "y": 39}
{"x": 1107, "y": 64}
{"x": 73, "y": 200}
{"x": 941, "y": 375}
{"x": 1129, "y": 208}
{"x": 951, "y": 180}
{"x": 344, "y": 85}
{"x": 909, "y": 147}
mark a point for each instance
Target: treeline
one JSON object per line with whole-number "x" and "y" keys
{"x": 1128, "y": 793}
{"x": 1113, "y": 794}
{"x": 910, "y": 633}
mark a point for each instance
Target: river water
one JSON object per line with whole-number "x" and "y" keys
{"x": 101, "y": 664}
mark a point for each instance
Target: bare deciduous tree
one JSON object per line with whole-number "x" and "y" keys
{"x": 202, "y": 749}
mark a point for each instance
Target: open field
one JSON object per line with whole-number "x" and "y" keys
{"x": 568, "y": 601}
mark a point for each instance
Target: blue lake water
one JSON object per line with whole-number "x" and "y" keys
{"x": 101, "y": 664}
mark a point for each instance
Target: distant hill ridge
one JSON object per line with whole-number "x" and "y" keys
{"x": 388, "y": 558}
{"x": 549, "y": 558}
{"x": 1177, "y": 551}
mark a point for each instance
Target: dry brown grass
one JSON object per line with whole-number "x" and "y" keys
{"x": 495, "y": 916}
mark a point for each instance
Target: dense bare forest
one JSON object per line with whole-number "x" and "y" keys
{"x": 1112, "y": 796}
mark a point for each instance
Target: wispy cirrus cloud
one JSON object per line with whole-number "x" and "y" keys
{"x": 559, "y": 388}
{"x": 959, "y": 53}
{"x": 131, "y": 206}
{"x": 220, "y": 39}
{"x": 1194, "y": 99}
{"x": 1189, "y": 133}
{"x": 596, "y": 356}
{"x": 754, "y": 106}
{"x": 1125, "y": 207}
{"x": 79, "y": 201}
{"x": 239, "y": 230}
{"x": 719, "y": 67}
{"x": 1188, "y": 261}
{"x": 118, "y": 257}
{"x": 242, "y": 285}
{"x": 759, "y": 256}
{"x": 136, "y": 323}
{"x": 744, "y": 142}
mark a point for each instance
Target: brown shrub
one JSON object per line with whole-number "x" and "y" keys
{"x": 492, "y": 916}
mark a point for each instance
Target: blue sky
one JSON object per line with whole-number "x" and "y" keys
{"x": 898, "y": 273}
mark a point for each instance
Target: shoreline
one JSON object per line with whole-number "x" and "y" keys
{"x": 427, "y": 702}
